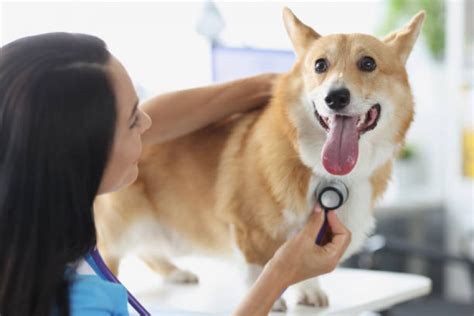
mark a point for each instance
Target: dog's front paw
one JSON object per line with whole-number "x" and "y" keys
{"x": 182, "y": 276}
{"x": 279, "y": 305}
{"x": 310, "y": 293}
{"x": 313, "y": 297}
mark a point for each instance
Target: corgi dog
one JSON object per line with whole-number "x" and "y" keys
{"x": 247, "y": 184}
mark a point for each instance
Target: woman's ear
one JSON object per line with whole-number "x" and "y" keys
{"x": 300, "y": 34}
{"x": 402, "y": 41}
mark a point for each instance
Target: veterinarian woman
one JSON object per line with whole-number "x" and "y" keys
{"x": 70, "y": 129}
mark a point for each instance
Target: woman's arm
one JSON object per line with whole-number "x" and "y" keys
{"x": 177, "y": 113}
{"x": 296, "y": 260}
{"x": 265, "y": 291}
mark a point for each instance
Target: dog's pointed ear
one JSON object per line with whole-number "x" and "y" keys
{"x": 300, "y": 34}
{"x": 402, "y": 41}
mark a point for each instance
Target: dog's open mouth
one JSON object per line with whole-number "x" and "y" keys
{"x": 341, "y": 149}
{"x": 365, "y": 122}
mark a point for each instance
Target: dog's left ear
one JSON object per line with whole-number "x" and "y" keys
{"x": 402, "y": 41}
{"x": 300, "y": 34}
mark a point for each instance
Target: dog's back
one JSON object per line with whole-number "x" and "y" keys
{"x": 171, "y": 208}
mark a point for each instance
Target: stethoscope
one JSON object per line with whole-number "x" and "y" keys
{"x": 330, "y": 194}
{"x": 100, "y": 268}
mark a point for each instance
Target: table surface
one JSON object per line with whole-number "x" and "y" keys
{"x": 221, "y": 287}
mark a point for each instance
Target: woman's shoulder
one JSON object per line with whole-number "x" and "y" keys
{"x": 91, "y": 296}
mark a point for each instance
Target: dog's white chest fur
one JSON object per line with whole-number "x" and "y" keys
{"x": 356, "y": 214}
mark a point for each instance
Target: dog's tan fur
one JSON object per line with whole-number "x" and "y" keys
{"x": 248, "y": 180}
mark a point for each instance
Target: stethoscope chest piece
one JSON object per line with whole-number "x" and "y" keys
{"x": 331, "y": 194}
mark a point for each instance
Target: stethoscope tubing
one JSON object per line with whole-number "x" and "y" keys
{"x": 106, "y": 274}
{"x": 342, "y": 197}
{"x": 323, "y": 229}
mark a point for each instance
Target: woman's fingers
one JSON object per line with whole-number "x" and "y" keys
{"x": 341, "y": 236}
{"x": 317, "y": 208}
{"x": 314, "y": 224}
{"x": 336, "y": 226}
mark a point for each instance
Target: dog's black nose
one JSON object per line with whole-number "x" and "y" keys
{"x": 338, "y": 99}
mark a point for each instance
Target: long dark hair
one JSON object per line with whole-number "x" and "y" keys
{"x": 57, "y": 122}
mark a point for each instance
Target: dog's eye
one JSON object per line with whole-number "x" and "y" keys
{"x": 367, "y": 63}
{"x": 321, "y": 65}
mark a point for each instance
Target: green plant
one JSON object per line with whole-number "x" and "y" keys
{"x": 407, "y": 152}
{"x": 434, "y": 26}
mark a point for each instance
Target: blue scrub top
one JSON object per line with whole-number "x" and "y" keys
{"x": 91, "y": 296}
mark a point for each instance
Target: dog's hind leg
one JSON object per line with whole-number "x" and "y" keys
{"x": 164, "y": 267}
{"x": 112, "y": 263}
{"x": 110, "y": 255}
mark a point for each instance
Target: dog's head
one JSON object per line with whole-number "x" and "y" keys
{"x": 354, "y": 98}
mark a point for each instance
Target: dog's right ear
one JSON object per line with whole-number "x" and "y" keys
{"x": 300, "y": 34}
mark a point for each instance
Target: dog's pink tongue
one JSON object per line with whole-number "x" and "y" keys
{"x": 341, "y": 149}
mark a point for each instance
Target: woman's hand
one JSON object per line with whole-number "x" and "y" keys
{"x": 300, "y": 258}
{"x": 296, "y": 260}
